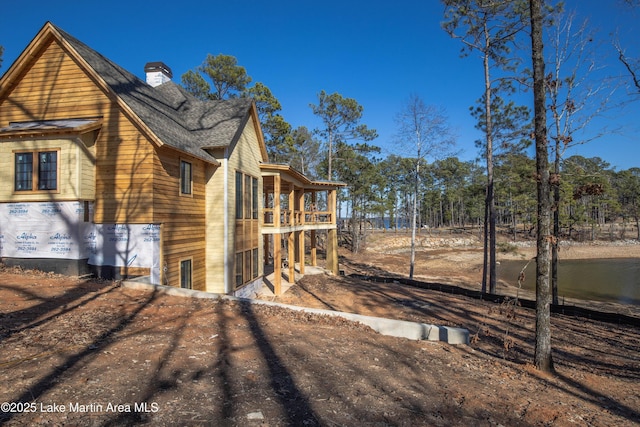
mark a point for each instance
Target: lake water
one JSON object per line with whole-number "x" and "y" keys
{"x": 613, "y": 280}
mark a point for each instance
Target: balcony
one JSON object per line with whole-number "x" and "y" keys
{"x": 294, "y": 210}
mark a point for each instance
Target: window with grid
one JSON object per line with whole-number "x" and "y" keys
{"x": 247, "y": 198}
{"x": 254, "y": 200}
{"x": 36, "y": 170}
{"x": 239, "y": 281}
{"x": 48, "y": 170}
{"x": 239, "y": 195}
{"x": 254, "y": 263}
{"x": 24, "y": 172}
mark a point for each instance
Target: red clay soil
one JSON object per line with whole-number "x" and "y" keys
{"x": 112, "y": 356}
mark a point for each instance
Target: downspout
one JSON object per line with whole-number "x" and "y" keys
{"x": 227, "y": 264}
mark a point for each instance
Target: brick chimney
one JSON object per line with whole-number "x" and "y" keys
{"x": 157, "y": 73}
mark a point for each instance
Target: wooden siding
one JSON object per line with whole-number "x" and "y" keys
{"x": 87, "y": 178}
{"x": 215, "y": 202}
{"x": 55, "y": 87}
{"x": 182, "y": 216}
{"x": 134, "y": 183}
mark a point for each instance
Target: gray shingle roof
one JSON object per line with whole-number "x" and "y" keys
{"x": 177, "y": 118}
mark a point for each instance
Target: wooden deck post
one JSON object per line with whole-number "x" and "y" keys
{"x": 300, "y": 233}
{"x": 332, "y": 235}
{"x": 292, "y": 206}
{"x": 300, "y": 239}
{"x": 292, "y": 256}
{"x": 312, "y": 237}
{"x": 314, "y": 250}
{"x": 291, "y": 244}
{"x": 332, "y": 251}
{"x": 277, "y": 264}
{"x": 277, "y": 238}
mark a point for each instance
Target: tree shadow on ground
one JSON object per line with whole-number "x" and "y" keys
{"x": 48, "y": 308}
{"x": 296, "y": 404}
{"x": 71, "y": 362}
{"x": 504, "y": 334}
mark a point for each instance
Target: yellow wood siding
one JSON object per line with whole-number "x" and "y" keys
{"x": 87, "y": 154}
{"x": 75, "y": 168}
{"x": 245, "y": 158}
{"x": 215, "y": 227}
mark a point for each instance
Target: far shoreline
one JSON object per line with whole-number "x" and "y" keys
{"x": 581, "y": 250}
{"x": 458, "y": 261}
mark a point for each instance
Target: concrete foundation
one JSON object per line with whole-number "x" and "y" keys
{"x": 391, "y": 327}
{"x": 68, "y": 267}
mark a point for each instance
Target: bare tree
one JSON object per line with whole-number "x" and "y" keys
{"x": 576, "y": 95}
{"x": 632, "y": 65}
{"x": 424, "y": 129}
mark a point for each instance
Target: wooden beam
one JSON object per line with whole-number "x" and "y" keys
{"x": 277, "y": 239}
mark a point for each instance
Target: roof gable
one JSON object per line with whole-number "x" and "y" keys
{"x": 167, "y": 114}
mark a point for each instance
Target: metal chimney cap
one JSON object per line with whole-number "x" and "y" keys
{"x": 158, "y": 66}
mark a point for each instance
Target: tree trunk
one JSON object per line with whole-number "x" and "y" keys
{"x": 355, "y": 244}
{"x": 543, "y": 359}
{"x": 490, "y": 203}
{"x": 413, "y": 219}
{"x": 492, "y": 239}
{"x": 485, "y": 242}
{"x": 413, "y": 240}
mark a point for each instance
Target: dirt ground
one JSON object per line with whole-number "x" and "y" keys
{"x": 108, "y": 355}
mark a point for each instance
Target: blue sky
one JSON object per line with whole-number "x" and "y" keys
{"x": 378, "y": 52}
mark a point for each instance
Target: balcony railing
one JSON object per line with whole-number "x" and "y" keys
{"x": 291, "y": 219}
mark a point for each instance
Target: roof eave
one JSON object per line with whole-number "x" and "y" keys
{"x": 280, "y": 168}
{"x": 35, "y": 133}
